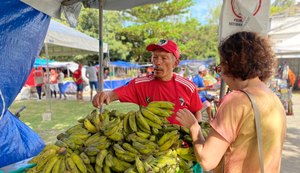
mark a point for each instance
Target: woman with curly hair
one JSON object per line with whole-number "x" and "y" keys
{"x": 247, "y": 62}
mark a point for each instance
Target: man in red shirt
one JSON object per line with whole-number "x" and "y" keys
{"x": 77, "y": 77}
{"x": 162, "y": 85}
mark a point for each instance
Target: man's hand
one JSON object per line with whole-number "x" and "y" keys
{"x": 100, "y": 98}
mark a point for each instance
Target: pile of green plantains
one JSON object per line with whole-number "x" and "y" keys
{"x": 141, "y": 141}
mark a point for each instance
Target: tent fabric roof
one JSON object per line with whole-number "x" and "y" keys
{"x": 64, "y": 40}
{"x": 54, "y": 8}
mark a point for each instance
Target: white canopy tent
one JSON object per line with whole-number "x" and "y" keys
{"x": 289, "y": 46}
{"x": 64, "y": 40}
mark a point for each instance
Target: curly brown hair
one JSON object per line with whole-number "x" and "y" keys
{"x": 246, "y": 55}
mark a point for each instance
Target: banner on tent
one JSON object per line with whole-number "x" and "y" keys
{"x": 244, "y": 15}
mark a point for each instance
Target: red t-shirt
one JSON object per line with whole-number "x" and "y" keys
{"x": 178, "y": 90}
{"x": 77, "y": 76}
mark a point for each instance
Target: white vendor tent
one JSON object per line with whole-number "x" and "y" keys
{"x": 64, "y": 40}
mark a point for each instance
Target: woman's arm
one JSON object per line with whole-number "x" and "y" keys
{"x": 208, "y": 152}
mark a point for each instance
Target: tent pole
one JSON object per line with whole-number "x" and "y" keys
{"x": 100, "y": 33}
{"x": 47, "y": 115}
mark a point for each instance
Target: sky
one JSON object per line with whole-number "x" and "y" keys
{"x": 202, "y": 7}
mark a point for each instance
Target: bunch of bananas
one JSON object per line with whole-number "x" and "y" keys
{"x": 141, "y": 141}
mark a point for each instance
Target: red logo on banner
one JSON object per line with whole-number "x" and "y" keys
{"x": 236, "y": 10}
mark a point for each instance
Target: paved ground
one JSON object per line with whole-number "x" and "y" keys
{"x": 291, "y": 150}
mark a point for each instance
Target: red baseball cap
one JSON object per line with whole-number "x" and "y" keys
{"x": 166, "y": 45}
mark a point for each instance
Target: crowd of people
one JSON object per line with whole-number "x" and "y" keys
{"x": 55, "y": 79}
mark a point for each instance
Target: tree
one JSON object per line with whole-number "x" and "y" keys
{"x": 112, "y": 22}
{"x": 167, "y": 20}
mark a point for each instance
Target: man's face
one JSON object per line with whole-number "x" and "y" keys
{"x": 164, "y": 64}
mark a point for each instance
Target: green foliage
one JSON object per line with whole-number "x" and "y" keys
{"x": 157, "y": 12}
{"x": 280, "y": 6}
{"x": 167, "y": 20}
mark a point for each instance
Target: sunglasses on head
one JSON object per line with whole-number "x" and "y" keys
{"x": 218, "y": 69}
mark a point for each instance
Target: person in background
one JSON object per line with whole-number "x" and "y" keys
{"x": 247, "y": 62}
{"x": 38, "y": 75}
{"x": 77, "y": 77}
{"x": 105, "y": 74}
{"x": 162, "y": 85}
{"x": 291, "y": 82}
{"x": 61, "y": 77}
{"x": 53, "y": 83}
{"x": 202, "y": 91}
{"x": 92, "y": 75}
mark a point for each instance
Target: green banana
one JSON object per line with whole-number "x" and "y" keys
{"x": 142, "y": 129}
{"x": 153, "y": 124}
{"x": 132, "y": 122}
{"x": 94, "y": 138}
{"x": 108, "y": 161}
{"x": 151, "y": 116}
{"x": 118, "y": 149}
{"x": 183, "y": 151}
{"x": 139, "y": 165}
{"x": 143, "y": 134}
{"x": 142, "y": 148}
{"x": 130, "y": 170}
{"x": 112, "y": 129}
{"x": 61, "y": 135}
{"x": 166, "y": 137}
{"x": 162, "y": 161}
{"x": 101, "y": 145}
{"x": 85, "y": 158}
{"x": 155, "y": 131}
{"x": 126, "y": 127}
{"x": 71, "y": 166}
{"x": 74, "y": 128}
{"x": 50, "y": 164}
{"x": 45, "y": 158}
{"x": 79, "y": 162}
{"x": 100, "y": 157}
{"x": 159, "y": 111}
{"x": 152, "y": 138}
{"x": 90, "y": 169}
{"x": 106, "y": 169}
{"x": 62, "y": 165}
{"x": 118, "y": 136}
{"x": 89, "y": 126}
{"x": 98, "y": 169}
{"x": 91, "y": 151}
{"x": 162, "y": 104}
{"x": 130, "y": 148}
{"x": 125, "y": 157}
{"x": 168, "y": 143}
{"x": 141, "y": 120}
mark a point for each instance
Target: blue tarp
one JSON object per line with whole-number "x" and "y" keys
{"x": 193, "y": 61}
{"x": 108, "y": 85}
{"x": 112, "y": 84}
{"x": 22, "y": 31}
{"x": 124, "y": 64}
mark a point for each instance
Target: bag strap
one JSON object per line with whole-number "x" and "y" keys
{"x": 258, "y": 128}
